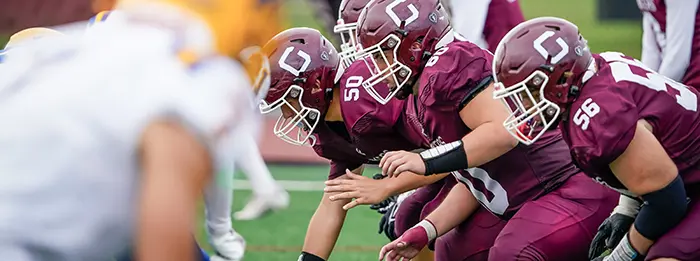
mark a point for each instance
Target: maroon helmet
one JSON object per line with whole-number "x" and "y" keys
{"x": 303, "y": 70}
{"x": 399, "y": 36}
{"x": 349, "y": 13}
{"x": 539, "y": 67}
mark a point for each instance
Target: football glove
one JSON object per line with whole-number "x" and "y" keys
{"x": 622, "y": 252}
{"x": 386, "y": 224}
{"x": 385, "y": 205}
{"x": 615, "y": 227}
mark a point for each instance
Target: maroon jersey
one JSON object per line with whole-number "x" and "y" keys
{"x": 460, "y": 71}
{"x": 602, "y": 121}
{"x": 366, "y": 133}
{"x": 502, "y": 16}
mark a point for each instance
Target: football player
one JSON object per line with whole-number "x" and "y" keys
{"x": 323, "y": 106}
{"x": 485, "y": 22}
{"x": 628, "y": 126}
{"x": 448, "y": 87}
{"x": 137, "y": 151}
{"x": 670, "y": 39}
{"x": 218, "y": 199}
{"x": 403, "y": 212}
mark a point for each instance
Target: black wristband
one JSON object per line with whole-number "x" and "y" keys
{"x": 445, "y": 158}
{"x": 309, "y": 257}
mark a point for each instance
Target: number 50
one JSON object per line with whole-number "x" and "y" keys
{"x": 351, "y": 93}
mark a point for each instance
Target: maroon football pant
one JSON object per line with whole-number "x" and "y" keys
{"x": 471, "y": 240}
{"x": 558, "y": 226}
{"x": 419, "y": 204}
{"x": 683, "y": 241}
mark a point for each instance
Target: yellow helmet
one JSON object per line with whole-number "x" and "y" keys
{"x": 235, "y": 24}
{"x": 257, "y": 67}
{"x": 30, "y": 34}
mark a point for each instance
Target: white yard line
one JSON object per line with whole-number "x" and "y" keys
{"x": 289, "y": 185}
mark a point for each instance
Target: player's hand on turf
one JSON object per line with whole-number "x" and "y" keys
{"x": 395, "y": 162}
{"x": 609, "y": 234}
{"x": 407, "y": 246}
{"x": 364, "y": 190}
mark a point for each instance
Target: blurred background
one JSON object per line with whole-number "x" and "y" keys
{"x": 608, "y": 26}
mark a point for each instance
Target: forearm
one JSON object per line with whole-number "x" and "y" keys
{"x": 487, "y": 142}
{"x": 324, "y": 227}
{"x": 457, "y": 207}
{"x": 405, "y": 183}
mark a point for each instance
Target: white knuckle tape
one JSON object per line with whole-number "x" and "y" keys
{"x": 627, "y": 206}
{"x": 429, "y": 229}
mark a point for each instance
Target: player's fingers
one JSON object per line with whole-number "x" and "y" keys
{"x": 391, "y": 170}
{"x": 339, "y": 196}
{"x": 350, "y": 205}
{"x": 401, "y": 169}
{"x": 386, "y": 161}
{"x": 393, "y": 256}
{"x": 383, "y": 160}
{"x": 385, "y": 249}
{"x": 402, "y": 163}
{"x": 338, "y": 188}
{"x": 333, "y": 182}
{"x": 352, "y": 175}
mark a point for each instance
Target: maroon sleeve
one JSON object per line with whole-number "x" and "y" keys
{"x": 602, "y": 125}
{"x": 458, "y": 75}
{"x": 362, "y": 114}
{"x": 339, "y": 151}
{"x": 338, "y": 168}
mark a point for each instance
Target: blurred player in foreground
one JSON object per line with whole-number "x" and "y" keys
{"x": 671, "y": 39}
{"x": 628, "y": 126}
{"x": 267, "y": 194}
{"x": 145, "y": 113}
{"x": 25, "y": 37}
{"x": 485, "y": 22}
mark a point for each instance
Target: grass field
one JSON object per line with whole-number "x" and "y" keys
{"x": 279, "y": 236}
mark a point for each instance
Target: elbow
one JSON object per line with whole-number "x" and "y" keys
{"x": 653, "y": 180}
{"x": 507, "y": 140}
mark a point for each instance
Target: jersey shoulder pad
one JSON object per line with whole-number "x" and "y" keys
{"x": 455, "y": 74}
{"x": 601, "y": 122}
{"x": 361, "y": 112}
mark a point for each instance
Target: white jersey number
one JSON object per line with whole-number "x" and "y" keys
{"x": 622, "y": 71}
{"x": 351, "y": 93}
{"x": 499, "y": 203}
{"x": 583, "y": 115}
{"x": 436, "y": 56}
